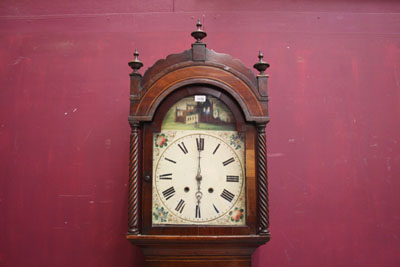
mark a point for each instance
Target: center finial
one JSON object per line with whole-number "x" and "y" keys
{"x": 199, "y": 34}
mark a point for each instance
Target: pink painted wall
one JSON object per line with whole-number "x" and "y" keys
{"x": 334, "y": 138}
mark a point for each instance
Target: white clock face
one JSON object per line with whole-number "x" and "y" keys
{"x": 199, "y": 178}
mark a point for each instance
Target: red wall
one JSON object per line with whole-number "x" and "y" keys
{"x": 333, "y": 142}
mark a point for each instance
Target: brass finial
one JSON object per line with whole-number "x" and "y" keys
{"x": 199, "y": 34}
{"x": 261, "y": 66}
{"x": 135, "y": 64}
{"x": 198, "y": 24}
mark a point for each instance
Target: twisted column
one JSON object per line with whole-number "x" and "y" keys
{"x": 133, "y": 194}
{"x": 263, "y": 209}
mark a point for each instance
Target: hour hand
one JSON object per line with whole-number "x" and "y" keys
{"x": 199, "y": 177}
{"x": 198, "y": 194}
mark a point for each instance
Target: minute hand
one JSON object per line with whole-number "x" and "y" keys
{"x": 198, "y": 176}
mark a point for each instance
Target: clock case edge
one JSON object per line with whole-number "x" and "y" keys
{"x": 220, "y": 74}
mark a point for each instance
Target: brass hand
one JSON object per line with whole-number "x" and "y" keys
{"x": 199, "y": 194}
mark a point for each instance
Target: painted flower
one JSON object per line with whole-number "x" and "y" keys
{"x": 236, "y": 215}
{"x": 161, "y": 140}
{"x": 160, "y": 214}
{"x": 237, "y": 140}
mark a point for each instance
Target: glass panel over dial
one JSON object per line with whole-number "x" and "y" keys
{"x": 198, "y": 166}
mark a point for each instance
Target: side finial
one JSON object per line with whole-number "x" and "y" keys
{"x": 199, "y": 34}
{"x": 261, "y": 66}
{"x": 135, "y": 64}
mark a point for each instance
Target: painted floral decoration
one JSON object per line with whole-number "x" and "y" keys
{"x": 161, "y": 140}
{"x": 160, "y": 214}
{"x": 237, "y": 140}
{"x": 236, "y": 215}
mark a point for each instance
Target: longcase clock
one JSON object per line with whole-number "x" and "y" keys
{"x": 198, "y": 191}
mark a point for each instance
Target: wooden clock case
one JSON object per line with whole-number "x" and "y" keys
{"x": 198, "y": 71}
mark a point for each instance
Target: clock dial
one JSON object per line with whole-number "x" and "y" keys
{"x": 198, "y": 178}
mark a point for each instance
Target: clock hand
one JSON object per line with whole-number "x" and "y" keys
{"x": 199, "y": 194}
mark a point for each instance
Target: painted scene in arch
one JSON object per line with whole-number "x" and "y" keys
{"x": 207, "y": 114}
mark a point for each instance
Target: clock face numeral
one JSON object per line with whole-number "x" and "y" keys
{"x": 226, "y": 162}
{"x": 227, "y": 195}
{"x": 200, "y": 144}
{"x": 167, "y": 176}
{"x": 168, "y": 193}
{"x": 170, "y": 160}
{"x": 177, "y": 169}
{"x": 232, "y": 178}
{"x": 183, "y": 147}
{"x": 198, "y": 211}
{"x": 215, "y": 208}
{"x": 215, "y": 150}
{"x": 180, "y": 206}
